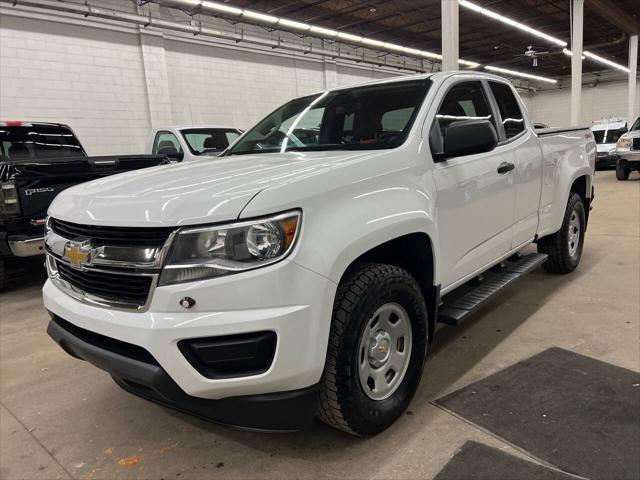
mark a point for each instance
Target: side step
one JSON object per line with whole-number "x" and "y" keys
{"x": 457, "y": 310}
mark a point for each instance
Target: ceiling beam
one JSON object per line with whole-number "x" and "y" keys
{"x": 615, "y": 15}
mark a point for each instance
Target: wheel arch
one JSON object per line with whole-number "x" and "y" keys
{"x": 413, "y": 252}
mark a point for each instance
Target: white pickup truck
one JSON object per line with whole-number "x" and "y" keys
{"x": 304, "y": 272}
{"x": 191, "y": 142}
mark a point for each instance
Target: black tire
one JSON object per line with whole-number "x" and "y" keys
{"x": 2, "y": 274}
{"x": 557, "y": 246}
{"x": 343, "y": 402}
{"x": 622, "y": 173}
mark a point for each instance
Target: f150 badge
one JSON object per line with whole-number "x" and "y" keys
{"x": 31, "y": 191}
{"x": 77, "y": 253}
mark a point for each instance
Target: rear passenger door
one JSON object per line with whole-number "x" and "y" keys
{"x": 523, "y": 149}
{"x": 475, "y": 203}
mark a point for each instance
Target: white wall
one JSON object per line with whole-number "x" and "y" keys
{"x": 603, "y": 101}
{"x": 111, "y": 85}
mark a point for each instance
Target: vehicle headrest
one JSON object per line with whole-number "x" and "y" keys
{"x": 453, "y": 109}
{"x": 166, "y": 144}
{"x": 18, "y": 151}
{"x": 217, "y": 140}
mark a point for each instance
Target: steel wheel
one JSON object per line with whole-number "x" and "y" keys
{"x": 573, "y": 238}
{"x": 384, "y": 351}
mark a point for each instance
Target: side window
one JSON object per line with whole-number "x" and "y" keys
{"x": 231, "y": 137}
{"x": 396, "y": 120}
{"x": 464, "y": 101}
{"x": 512, "y": 118}
{"x": 166, "y": 142}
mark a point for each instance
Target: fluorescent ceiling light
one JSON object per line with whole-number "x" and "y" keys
{"x": 520, "y": 74}
{"x": 598, "y": 58}
{"x": 511, "y": 22}
{"x": 570, "y": 53}
{"x": 293, "y": 24}
{"x": 468, "y": 63}
{"x": 349, "y": 37}
{"x": 325, "y": 32}
{"x": 372, "y": 42}
{"x": 261, "y": 17}
{"x": 393, "y": 46}
{"x": 221, "y": 7}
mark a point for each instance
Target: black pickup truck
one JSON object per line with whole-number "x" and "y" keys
{"x": 38, "y": 161}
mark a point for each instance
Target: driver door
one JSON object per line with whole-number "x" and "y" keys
{"x": 474, "y": 202}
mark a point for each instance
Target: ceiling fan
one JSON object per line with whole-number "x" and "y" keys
{"x": 533, "y": 54}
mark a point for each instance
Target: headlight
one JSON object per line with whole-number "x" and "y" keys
{"x": 623, "y": 143}
{"x": 9, "y": 204}
{"x": 208, "y": 252}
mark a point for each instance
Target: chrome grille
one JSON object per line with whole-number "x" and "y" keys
{"x": 116, "y": 286}
{"x": 636, "y": 143}
{"x": 115, "y": 267}
{"x": 113, "y": 236}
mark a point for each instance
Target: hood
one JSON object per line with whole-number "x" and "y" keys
{"x": 202, "y": 191}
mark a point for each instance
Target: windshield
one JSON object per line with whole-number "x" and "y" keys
{"x": 608, "y": 136}
{"x": 206, "y": 140}
{"x": 38, "y": 141}
{"x": 636, "y": 125}
{"x": 359, "y": 118}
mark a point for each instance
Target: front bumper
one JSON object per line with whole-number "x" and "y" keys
{"x": 606, "y": 160}
{"x": 28, "y": 247}
{"x": 630, "y": 161}
{"x": 141, "y": 375}
{"x": 284, "y": 298}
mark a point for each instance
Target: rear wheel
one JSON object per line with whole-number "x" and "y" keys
{"x": 622, "y": 173}
{"x": 565, "y": 246}
{"x": 377, "y": 348}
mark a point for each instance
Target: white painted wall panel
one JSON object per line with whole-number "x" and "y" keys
{"x": 604, "y": 101}
{"x": 91, "y": 79}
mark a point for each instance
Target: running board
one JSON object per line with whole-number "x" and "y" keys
{"x": 493, "y": 282}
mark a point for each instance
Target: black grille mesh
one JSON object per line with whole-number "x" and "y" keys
{"x": 133, "y": 289}
{"x": 118, "y": 236}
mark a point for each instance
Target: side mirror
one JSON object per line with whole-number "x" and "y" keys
{"x": 467, "y": 138}
{"x": 171, "y": 153}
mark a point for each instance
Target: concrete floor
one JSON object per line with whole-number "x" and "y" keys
{"x": 62, "y": 418}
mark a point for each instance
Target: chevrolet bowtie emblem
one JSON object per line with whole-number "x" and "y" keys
{"x": 77, "y": 253}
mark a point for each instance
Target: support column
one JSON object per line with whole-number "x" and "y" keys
{"x": 450, "y": 35}
{"x": 576, "y": 61}
{"x": 633, "y": 72}
{"x": 156, "y": 78}
{"x": 330, "y": 74}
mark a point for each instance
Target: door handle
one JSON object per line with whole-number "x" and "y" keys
{"x": 505, "y": 167}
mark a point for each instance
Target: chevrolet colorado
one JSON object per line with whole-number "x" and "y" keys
{"x": 37, "y": 161}
{"x": 305, "y": 270}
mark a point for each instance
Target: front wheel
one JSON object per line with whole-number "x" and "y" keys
{"x": 622, "y": 173}
{"x": 377, "y": 347}
{"x": 565, "y": 246}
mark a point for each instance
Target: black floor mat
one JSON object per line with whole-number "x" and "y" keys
{"x": 476, "y": 461}
{"x": 577, "y": 413}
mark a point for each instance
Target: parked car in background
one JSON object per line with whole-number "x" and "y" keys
{"x": 606, "y": 134}
{"x": 305, "y": 270}
{"x": 628, "y": 152}
{"x": 38, "y": 161}
{"x": 187, "y": 143}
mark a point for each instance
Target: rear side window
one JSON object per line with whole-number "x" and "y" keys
{"x": 166, "y": 143}
{"x": 38, "y": 141}
{"x": 512, "y": 118}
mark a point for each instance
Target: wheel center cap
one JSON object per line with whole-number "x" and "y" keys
{"x": 379, "y": 348}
